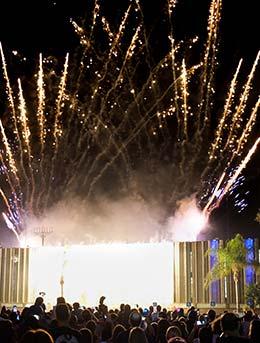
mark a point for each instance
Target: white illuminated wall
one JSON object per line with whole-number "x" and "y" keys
{"x": 124, "y": 273}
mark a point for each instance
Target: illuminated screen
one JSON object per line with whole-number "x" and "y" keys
{"x": 124, "y": 273}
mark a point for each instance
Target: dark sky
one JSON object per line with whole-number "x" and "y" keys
{"x": 43, "y": 26}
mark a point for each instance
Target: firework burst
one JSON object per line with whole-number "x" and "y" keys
{"x": 115, "y": 122}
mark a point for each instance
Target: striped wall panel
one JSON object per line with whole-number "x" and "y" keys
{"x": 14, "y": 266}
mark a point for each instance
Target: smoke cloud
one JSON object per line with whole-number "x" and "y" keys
{"x": 187, "y": 222}
{"x": 129, "y": 219}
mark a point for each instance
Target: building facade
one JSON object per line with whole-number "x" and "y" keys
{"x": 191, "y": 264}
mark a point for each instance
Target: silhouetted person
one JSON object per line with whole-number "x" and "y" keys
{"x": 38, "y": 336}
{"x": 254, "y": 331}
{"x": 211, "y": 316}
{"x": 62, "y": 330}
{"x": 7, "y": 333}
{"x": 77, "y": 311}
{"x": 116, "y": 331}
{"x": 163, "y": 325}
{"x": 135, "y": 320}
{"x": 38, "y": 308}
{"x": 230, "y": 325}
{"x": 137, "y": 335}
{"x": 86, "y": 336}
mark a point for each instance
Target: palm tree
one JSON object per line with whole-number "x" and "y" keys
{"x": 231, "y": 259}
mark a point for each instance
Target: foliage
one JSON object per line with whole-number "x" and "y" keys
{"x": 253, "y": 294}
{"x": 230, "y": 259}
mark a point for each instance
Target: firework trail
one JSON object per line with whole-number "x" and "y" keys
{"x": 248, "y": 128}
{"x": 234, "y": 143}
{"x": 237, "y": 116}
{"x": 9, "y": 154}
{"x": 6, "y": 201}
{"x": 171, "y": 5}
{"x": 10, "y": 98}
{"x": 118, "y": 121}
{"x": 24, "y": 120}
{"x": 209, "y": 63}
{"x": 11, "y": 226}
{"x": 57, "y": 127}
{"x": 231, "y": 180}
{"x": 57, "y": 124}
{"x": 9, "y": 92}
{"x": 185, "y": 98}
{"x": 226, "y": 113}
{"x": 41, "y": 103}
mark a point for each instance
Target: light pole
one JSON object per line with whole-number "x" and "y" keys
{"x": 62, "y": 272}
{"x": 61, "y": 285}
{"x": 43, "y": 232}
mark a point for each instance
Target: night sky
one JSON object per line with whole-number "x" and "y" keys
{"x": 44, "y": 26}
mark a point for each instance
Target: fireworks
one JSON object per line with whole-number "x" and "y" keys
{"x": 117, "y": 123}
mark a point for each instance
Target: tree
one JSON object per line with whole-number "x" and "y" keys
{"x": 253, "y": 294}
{"x": 231, "y": 259}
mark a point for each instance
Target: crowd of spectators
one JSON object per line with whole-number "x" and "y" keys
{"x": 78, "y": 324}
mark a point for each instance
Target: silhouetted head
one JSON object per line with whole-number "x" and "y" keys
{"x": 229, "y": 322}
{"x": 211, "y": 315}
{"x": 192, "y": 316}
{"x": 173, "y": 331}
{"x": 62, "y": 313}
{"x": 163, "y": 325}
{"x": 127, "y": 308}
{"x": 102, "y": 299}
{"x": 36, "y": 336}
{"x": 61, "y": 300}
{"x": 135, "y": 319}
{"x": 91, "y": 325}
{"x": 86, "y": 335}
{"x": 76, "y": 306}
{"x": 137, "y": 335}
{"x": 38, "y": 301}
{"x": 205, "y": 335}
{"x": 116, "y": 331}
{"x": 86, "y": 315}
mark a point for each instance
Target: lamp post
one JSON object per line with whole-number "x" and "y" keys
{"x": 61, "y": 285}
{"x": 43, "y": 232}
